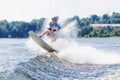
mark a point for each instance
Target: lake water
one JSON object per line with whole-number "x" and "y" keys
{"x": 16, "y": 53}
{"x": 13, "y": 51}
{"x": 106, "y": 44}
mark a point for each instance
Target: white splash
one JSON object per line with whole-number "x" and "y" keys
{"x": 34, "y": 47}
{"x": 73, "y": 52}
{"x": 70, "y": 30}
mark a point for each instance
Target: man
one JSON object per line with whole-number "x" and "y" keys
{"x": 52, "y": 30}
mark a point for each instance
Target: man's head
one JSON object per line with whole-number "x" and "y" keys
{"x": 55, "y": 19}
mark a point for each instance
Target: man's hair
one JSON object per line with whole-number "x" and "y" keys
{"x": 55, "y": 18}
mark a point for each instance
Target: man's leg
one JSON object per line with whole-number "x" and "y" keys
{"x": 44, "y": 33}
{"x": 54, "y": 38}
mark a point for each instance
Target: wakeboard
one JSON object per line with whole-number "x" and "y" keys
{"x": 41, "y": 42}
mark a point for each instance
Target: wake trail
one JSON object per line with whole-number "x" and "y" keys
{"x": 72, "y": 51}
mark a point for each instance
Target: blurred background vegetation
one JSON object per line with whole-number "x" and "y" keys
{"x": 20, "y": 29}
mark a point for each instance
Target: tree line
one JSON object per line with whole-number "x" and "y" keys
{"x": 101, "y": 32}
{"x": 88, "y": 31}
{"x": 20, "y": 29}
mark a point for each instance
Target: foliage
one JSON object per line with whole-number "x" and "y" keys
{"x": 102, "y": 32}
{"x": 19, "y": 29}
{"x": 87, "y": 31}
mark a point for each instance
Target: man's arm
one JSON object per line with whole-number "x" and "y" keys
{"x": 50, "y": 26}
{"x": 59, "y": 27}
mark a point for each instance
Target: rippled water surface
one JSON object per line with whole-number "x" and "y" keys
{"x": 19, "y": 62}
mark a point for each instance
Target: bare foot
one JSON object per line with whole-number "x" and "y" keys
{"x": 39, "y": 36}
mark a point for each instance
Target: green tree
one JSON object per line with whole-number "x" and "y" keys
{"x": 85, "y": 31}
{"x": 105, "y": 18}
{"x": 95, "y": 18}
{"x": 4, "y": 28}
{"x": 115, "y": 18}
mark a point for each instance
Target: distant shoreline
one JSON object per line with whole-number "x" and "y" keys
{"x": 101, "y": 37}
{"x": 70, "y": 37}
{"x": 83, "y": 27}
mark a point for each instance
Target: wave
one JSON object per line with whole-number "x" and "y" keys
{"x": 51, "y": 67}
{"x": 74, "y": 52}
{"x": 73, "y": 62}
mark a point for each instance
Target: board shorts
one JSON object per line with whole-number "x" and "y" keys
{"x": 51, "y": 34}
